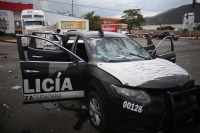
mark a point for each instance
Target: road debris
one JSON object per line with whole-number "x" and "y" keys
{"x": 9, "y": 71}
{"x": 84, "y": 107}
{"x": 4, "y": 57}
{"x": 5, "y": 105}
{"x": 16, "y": 87}
{"x": 49, "y": 105}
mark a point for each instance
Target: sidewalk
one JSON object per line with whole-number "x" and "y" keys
{"x": 9, "y": 41}
{"x": 189, "y": 38}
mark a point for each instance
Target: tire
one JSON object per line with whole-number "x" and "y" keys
{"x": 157, "y": 38}
{"x": 175, "y": 39}
{"x": 96, "y": 110}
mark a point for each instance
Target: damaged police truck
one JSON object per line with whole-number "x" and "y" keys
{"x": 126, "y": 87}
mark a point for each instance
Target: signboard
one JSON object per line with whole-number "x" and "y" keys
{"x": 6, "y": 23}
{"x": 188, "y": 21}
{"x": 73, "y": 25}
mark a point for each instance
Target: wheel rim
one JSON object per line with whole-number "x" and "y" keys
{"x": 95, "y": 112}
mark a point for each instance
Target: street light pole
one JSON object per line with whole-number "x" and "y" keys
{"x": 139, "y": 18}
{"x": 159, "y": 22}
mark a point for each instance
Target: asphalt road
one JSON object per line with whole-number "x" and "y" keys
{"x": 18, "y": 118}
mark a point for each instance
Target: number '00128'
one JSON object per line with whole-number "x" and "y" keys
{"x": 132, "y": 106}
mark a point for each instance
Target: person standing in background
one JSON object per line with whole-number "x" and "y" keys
{"x": 58, "y": 31}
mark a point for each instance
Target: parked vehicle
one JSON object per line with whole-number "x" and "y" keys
{"x": 35, "y": 20}
{"x": 164, "y": 34}
{"x": 118, "y": 28}
{"x": 126, "y": 87}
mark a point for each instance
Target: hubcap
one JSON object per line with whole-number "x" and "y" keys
{"x": 95, "y": 112}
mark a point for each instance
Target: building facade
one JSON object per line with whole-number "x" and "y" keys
{"x": 109, "y": 20}
{"x": 16, "y": 8}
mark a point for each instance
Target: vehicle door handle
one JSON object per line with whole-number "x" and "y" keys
{"x": 31, "y": 71}
{"x": 173, "y": 58}
{"x": 150, "y": 51}
{"x": 36, "y": 56}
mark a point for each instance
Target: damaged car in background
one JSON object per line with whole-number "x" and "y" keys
{"x": 126, "y": 87}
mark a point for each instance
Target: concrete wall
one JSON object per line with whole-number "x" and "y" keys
{"x": 17, "y": 16}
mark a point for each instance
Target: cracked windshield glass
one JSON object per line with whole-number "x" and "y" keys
{"x": 116, "y": 50}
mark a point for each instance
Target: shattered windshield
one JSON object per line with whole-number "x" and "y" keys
{"x": 117, "y": 49}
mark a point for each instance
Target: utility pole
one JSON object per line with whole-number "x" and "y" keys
{"x": 39, "y": 4}
{"x": 139, "y": 19}
{"x": 72, "y": 7}
{"x": 159, "y": 22}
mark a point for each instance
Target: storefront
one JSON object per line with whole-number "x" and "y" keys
{"x": 16, "y": 8}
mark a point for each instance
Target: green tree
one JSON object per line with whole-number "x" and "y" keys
{"x": 94, "y": 22}
{"x": 198, "y": 27}
{"x": 133, "y": 18}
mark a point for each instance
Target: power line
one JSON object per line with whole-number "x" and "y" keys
{"x": 82, "y": 5}
{"x": 76, "y": 5}
{"x": 118, "y": 4}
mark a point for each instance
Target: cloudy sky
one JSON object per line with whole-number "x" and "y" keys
{"x": 107, "y": 8}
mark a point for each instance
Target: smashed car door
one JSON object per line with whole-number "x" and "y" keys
{"x": 150, "y": 46}
{"x": 50, "y": 75}
{"x": 165, "y": 49}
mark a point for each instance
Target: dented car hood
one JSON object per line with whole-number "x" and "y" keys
{"x": 157, "y": 73}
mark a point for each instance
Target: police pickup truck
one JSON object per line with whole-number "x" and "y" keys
{"x": 126, "y": 87}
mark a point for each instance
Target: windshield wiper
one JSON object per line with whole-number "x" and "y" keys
{"x": 138, "y": 56}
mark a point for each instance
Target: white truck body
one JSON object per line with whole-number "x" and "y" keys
{"x": 44, "y": 18}
{"x": 66, "y": 23}
{"x": 32, "y": 19}
{"x": 7, "y": 21}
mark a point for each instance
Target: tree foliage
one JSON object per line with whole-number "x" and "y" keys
{"x": 198, "y": 27}
{"x": 132, "y": 17}
{"x": 94, "y": 22}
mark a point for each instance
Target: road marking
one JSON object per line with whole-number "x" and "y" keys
{"x": 183, "y": 56}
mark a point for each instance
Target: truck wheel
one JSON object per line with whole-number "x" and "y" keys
{"x": 96, "y": 112}
{"x": 157, "y": 38}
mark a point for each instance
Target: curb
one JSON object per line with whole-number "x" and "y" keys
{"x": 8, "y": 41}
